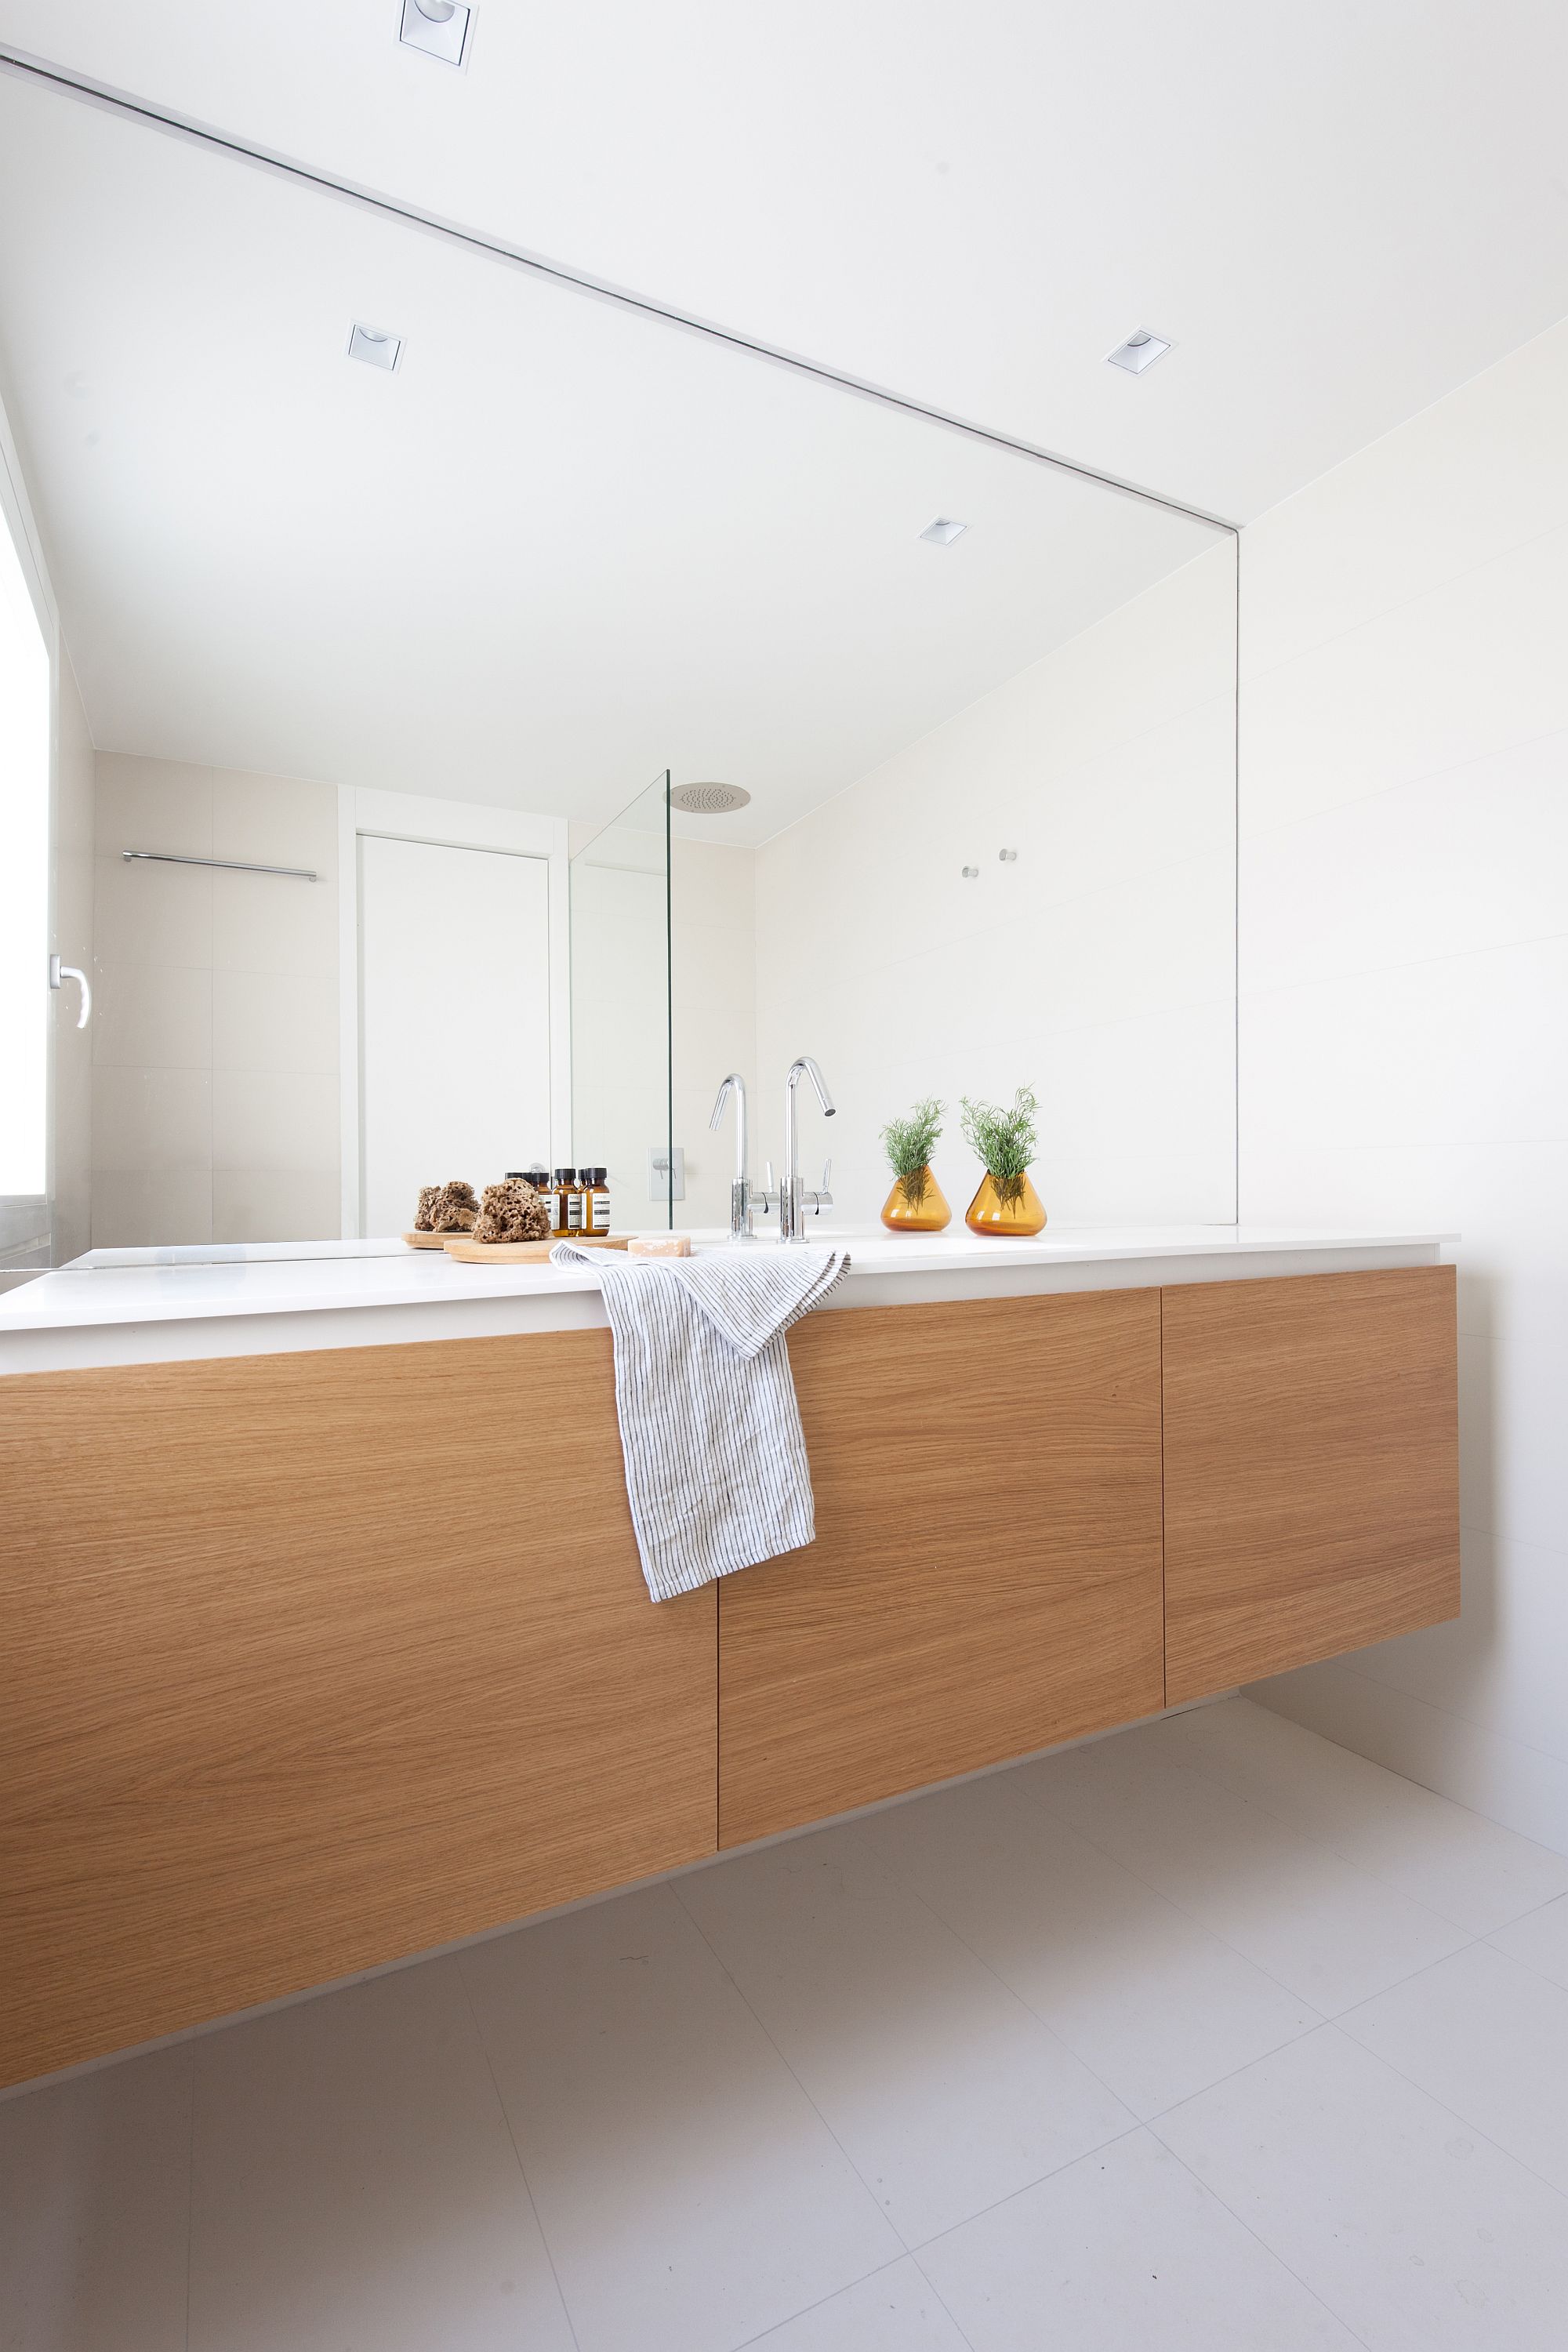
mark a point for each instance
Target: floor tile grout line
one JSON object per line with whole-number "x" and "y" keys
{"x": 1333, "y": 2025}
{"x": 997, "y": 1978}
{"x": 962, "y": 2333}
{"x": 484, "y": 2050}
{"x": 1467, "y": 1937}
{"x": 1542, "y": 1976}
{"x": 822, "y": 2301}
{"x": 739, "y": 1992}
{"x": 1050, "y": 2174}
{"x": 1509, "y": 1738}
{"x": 190, "y": 2193}
{"x": 1311, "y": 1837}
{"x": 1258, "y": 2240}
{"x": 1522, "y": 2161}
{"x": 1406, "y": 1782}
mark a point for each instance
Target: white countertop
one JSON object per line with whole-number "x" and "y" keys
{"x": 147, "y": 1306}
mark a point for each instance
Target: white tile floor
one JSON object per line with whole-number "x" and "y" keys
{"x": 1209, "y": 2036}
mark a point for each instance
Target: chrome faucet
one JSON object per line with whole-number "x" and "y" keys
{"x": 740, "y": 1190}
{"x": 792, "y": 1198}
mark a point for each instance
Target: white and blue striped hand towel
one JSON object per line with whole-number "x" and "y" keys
{"x": 716, "y": 1468}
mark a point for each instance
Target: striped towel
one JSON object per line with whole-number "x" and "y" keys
{"x": 710, "y": 1434}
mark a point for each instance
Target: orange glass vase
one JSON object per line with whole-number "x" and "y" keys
{"x": 1005, "y": 1205}
{"x": 916, "y": 1206}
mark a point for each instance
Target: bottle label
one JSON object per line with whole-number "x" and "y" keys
{"x": 574, "y": 1212}
{"x": 599, "y": 1213}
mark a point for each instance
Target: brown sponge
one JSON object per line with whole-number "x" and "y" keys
{"x": 451, "y": 1208}
{"x": 511, "y": 1211}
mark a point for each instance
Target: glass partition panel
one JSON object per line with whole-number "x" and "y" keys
{"x": 621, "y": 1011}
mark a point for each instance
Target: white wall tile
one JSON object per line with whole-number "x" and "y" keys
{"x": 275, "y": 820}
{"x": 133, "y": 1209}
{"x": 277, "y": 1120}
{"x": 274, "y": 1021}
{"x": 153, "y": 805}
{"x": 272, "y": 923}
{"x": 229, "y": 974}
{"x": 152, "y": 1119}
{"x": 265, "y": 1204}
{"x": 153, "y": 1016}
{"x": 152, "y": 914}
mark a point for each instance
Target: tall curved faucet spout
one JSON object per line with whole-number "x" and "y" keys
{"x": 740, "y": 1190}
{"x": 792, "y": 1200}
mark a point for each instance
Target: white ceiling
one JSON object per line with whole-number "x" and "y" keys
{"x": 1337, "y": 212}
{"x": 558, "y": 548}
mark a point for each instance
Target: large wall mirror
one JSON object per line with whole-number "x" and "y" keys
{"x": 408, "y": 597}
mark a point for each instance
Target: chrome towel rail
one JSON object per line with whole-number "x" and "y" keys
{"x": 229, "y": 864}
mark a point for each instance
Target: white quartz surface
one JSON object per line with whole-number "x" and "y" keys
{"x": 129, "y": 1306}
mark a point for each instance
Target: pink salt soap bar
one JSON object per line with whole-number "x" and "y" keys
{"x": 660, "y": 1245}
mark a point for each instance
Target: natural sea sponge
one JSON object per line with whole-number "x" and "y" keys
{"x": 424, "y": 1222}
{"x": 452, "y": 1208}
{"x": 512, "y": 1212}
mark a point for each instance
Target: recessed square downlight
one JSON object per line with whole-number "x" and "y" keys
{"x": 1140, "y": 349}
{"x": 943, "y": 531}
{"x": 374, "y": 346}
{"x": 438, "y": 27}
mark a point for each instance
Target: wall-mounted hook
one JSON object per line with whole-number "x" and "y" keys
{"x": 60, "y": 972}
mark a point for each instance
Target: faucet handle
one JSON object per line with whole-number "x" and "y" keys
{"x": 827, "y": 1176}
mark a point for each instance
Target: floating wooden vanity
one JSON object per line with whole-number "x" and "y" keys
{"x": 316, "y": 1657}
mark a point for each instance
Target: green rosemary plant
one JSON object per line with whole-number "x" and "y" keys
{"x": 909, "y": 1143}
{"x": 1004, "y": 1140}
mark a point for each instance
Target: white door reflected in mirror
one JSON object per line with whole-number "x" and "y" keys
{"x": 454, "y": 972}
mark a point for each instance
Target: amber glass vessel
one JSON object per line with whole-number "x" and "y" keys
{"x": 916, "y": 1206}
{"x": 1006, "y": 1204}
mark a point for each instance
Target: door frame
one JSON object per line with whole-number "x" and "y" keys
{"x": 451, "y": 824}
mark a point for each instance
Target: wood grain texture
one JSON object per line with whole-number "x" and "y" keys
{"x": 1312, "y": 1470}
{"x": 985, "y": 1577}
{"x": 308, "y": 1661}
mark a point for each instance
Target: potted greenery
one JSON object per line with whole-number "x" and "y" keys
{"x": 915, "y": 1205}
{"x": 1004, "y": 1141}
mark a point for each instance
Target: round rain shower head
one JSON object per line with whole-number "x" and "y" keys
{"x": 709, "y": 800}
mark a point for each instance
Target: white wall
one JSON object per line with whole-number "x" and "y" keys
{"x": 1404, "y": 1003}
{"x": 1098, "y": 968}
{"x": 215, "y": 1114}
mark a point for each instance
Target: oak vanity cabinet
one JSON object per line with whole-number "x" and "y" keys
{"x": 312, "y": 1660}
{"x": 1312, "y": 1470}
{"x": 986, "y": 1578}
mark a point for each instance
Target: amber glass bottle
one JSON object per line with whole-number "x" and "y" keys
{"x": 916, "y": 1206}
{"x": 1004, "y": 1205}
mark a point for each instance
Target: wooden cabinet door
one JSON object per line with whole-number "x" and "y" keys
{"x": 1312, "y": 1470}
{"x": 986, "y": 1578}
{"x": 309, "y": 1661}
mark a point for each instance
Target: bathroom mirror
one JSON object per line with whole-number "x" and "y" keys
{"x": 382, "y": 563}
